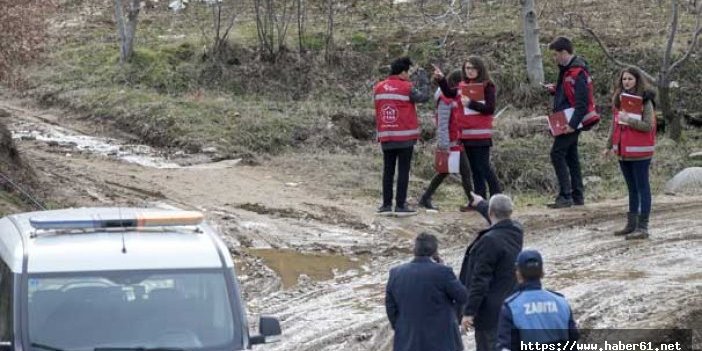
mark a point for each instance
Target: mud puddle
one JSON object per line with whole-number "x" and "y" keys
{"x": 57, "y": 136}
{"x": 291, "y": 265}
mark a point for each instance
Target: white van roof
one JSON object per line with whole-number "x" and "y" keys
{"x": 101, "y": 249}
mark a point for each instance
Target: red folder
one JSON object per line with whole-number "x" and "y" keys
{"x": 447, "y": 161}
{"x": 474, "y": 91}
{"x": 632, "y": 104}
{"x": 558, "y": 120}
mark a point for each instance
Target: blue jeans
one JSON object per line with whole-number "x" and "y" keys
{"x": 636, "y": 176}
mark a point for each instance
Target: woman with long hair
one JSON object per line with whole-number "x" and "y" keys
{"x": 448, "y": 113}
{"x": 476, "y": 124}
{"x": 633, "y": 139}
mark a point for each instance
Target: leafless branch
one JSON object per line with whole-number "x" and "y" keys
{"x": 671, "y": 37}
{"x": 583, "y": 26}
{"x": 231, "y": 21}
{"x": 433, "y": 18}
{"x": 693, "y": 43}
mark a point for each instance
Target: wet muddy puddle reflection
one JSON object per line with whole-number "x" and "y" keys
{"x": 290, "y": 264}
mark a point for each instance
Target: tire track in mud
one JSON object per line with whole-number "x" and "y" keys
{"x": 609, "y": 281}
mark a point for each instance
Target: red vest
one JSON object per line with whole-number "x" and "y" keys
{"x": 395, "y": 114}
{"x": 591, "y": 116}
{"x": 474, "y": 125}
{"x": 456, "y": 115}
{"x": 628, "y": 142}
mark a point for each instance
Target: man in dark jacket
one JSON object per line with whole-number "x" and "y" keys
{"x": 488, "y": 271}
{"x": 420, "y": 299}
{"x": 572, "y": 92}
{"x": 534, "y": 314}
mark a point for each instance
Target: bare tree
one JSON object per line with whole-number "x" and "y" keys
{"x": 126, "y": 26}
{"x": 465, "y": 9}
{"x": 668, "y": 65}
{"x": 532, "y": 51}
{"x": 272, "y": 22}
{"x": 329, "y": 48}
{"x": 222, "y": 17}
{"x": 301, "y": 21}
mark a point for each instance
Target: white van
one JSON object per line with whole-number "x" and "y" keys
{"x": 108, "y": 279}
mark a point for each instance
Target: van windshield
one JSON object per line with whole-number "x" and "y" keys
{"x": 184, "y": 309}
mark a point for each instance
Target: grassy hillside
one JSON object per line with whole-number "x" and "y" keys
{"x": 173, "y": 94}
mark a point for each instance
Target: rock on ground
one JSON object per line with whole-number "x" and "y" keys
{"x": 689, "y": 182}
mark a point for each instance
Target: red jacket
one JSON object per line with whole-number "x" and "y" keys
{"x": 395, "y": 113}
{"x": 571, "y": 75}
{"x": 474, "y": 125}
{"x": 628, "y": 142}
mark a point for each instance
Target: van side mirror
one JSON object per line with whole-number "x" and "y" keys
{"x": 5, "y": 346}
{"x": 268, "y": 329}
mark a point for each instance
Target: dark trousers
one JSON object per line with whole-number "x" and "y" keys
{"x": 402, "y": 159}
{"x": 566, "y": 162}
{"x": 636, "y": 176}
{"x": 464, "y": 168}
{"x": 479, "y": 158}
{"x": 486, "y": 340}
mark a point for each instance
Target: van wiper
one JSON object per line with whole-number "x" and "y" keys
{"x": 46, "y": 347}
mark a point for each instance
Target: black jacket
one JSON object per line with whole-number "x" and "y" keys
{"x": 488, "y": 271}
{"x": 420, "y": 299}
{"x": 560, "y": 102}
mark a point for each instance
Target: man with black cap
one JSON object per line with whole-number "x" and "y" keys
{"x": 534, "y": 314}
{"x": 420, "y": 299}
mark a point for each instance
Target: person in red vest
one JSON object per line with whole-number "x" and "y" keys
{"x": 398, "y": 129}
{"x": 448, "y": 114}
{"x": 633, "y": 138}
{"x": 476, "y": 125}
{"x": 573, "y": 94}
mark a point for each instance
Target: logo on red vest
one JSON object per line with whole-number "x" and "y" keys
{"x": 388, "y": 87}
{"x": 389, "y": 114}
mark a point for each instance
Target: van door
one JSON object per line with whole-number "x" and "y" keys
{"x": 6, "y": 310}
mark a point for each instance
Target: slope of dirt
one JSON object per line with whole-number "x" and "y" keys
{"x": 270, "y": 219}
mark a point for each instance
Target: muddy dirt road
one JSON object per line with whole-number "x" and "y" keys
{"x": 319, "y": 261}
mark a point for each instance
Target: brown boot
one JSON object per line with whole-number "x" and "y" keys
{"x": 641, "y": 231}
{"x": 630, "y": 224}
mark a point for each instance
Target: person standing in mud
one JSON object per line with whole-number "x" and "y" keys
{"x": 487, "y": 270}
{"x": 420, "y": 299}
{"x": 534, "y": 314}
{"x": 448, "y": 112}
{"x": 573, "y": 94}
{"x": 476, "y": 124}
{"x": 633, "y": 138}
{"x": 398, "y": 129}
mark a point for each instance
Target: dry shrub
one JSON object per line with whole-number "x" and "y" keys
{"x": 23, "y": 26}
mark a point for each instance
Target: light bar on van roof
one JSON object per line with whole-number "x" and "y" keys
{"x": 150, "y": 219}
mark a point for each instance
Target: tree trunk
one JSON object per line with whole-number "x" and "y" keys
{"x": 121, "y": 29}
{"x": 300, "y": 25}
{"x": 673, "y": 126}
{"x": 127, "y": 28}
{"x": 330, "y": 31}
{"x": 465, "y": 9}
{"x": 532, "y": 51}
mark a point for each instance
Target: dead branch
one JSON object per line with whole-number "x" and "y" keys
{"x": 671, "y": 37}
{"x": 695, "y": 39}
{"x": 583, "y": 26}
